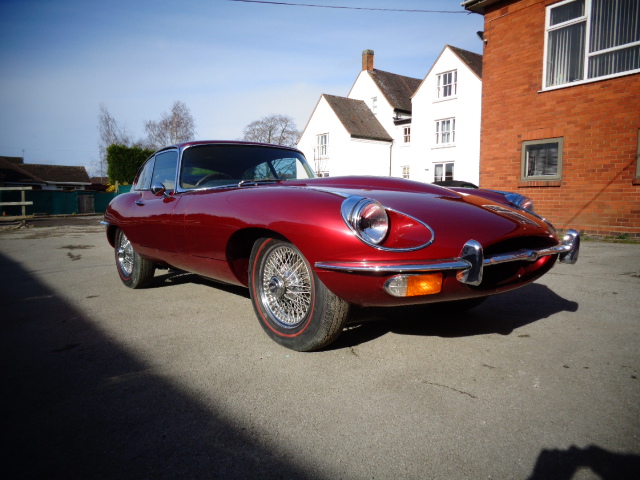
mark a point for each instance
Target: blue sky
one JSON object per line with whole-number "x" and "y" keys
{"x": 230, "y": 62}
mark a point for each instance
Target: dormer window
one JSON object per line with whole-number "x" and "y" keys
{"x": 448, "y": 84}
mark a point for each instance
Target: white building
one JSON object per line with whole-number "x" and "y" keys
{"x": 387, "y": 124}
{"x": 446, "y": 119}
{"x": 359, "y": 134}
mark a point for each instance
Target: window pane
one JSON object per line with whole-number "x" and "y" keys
{"x": 165, "y": 170}
{"x": 542, "y": 159}
{"x": 567, "y": 12}
{"x": 614, "y": 23}
{"x": 614, "y": 62}
{"x": 565, "y": 58}
{"x": 143, "y": 182}
{"x": 448, "y": 173}
{"x": 437, "y": 176}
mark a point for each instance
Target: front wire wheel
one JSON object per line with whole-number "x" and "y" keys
{"x": 134, "y": 271}
{"x": 293, "y": 305}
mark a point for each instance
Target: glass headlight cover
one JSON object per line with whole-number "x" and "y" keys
{"x": 366, "y": 218}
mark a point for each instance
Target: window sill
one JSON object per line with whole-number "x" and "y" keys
{"x": 589, "y": 80}
{"x": 445, "y": 99}
{"x": 539, "y": 183}
{"x": 450, "y": 145}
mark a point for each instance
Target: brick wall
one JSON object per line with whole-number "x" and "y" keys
{"x": 599, "y": 122}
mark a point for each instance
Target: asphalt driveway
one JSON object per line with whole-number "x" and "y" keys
{"x": 180, "y": 381}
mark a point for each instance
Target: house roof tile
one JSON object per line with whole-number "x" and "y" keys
{"x": 472, "y": 60}
{"x": 11, "y": 172}
{"x": 397, "y": 89}
{"x": 357, "y": 118}
{"x": 57, "y": 173}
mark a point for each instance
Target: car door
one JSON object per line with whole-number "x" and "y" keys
{"x": 153, "y": 212}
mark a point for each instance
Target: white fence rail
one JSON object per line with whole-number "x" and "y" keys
{"x": 22, "y": 203}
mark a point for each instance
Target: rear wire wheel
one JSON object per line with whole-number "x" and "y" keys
{"x": 134, "y": 271}
{"x": 291, "y": 303}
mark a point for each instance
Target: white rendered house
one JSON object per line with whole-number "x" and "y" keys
{"x": 343, "y": 137}
{"x": 399, "y": 126}
{"x": 446, "y": 119}
{"x": 358, "y": 135}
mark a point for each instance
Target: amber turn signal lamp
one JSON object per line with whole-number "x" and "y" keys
{"x": 414, "y": 285}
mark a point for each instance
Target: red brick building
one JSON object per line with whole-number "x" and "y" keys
{"x": 561, "y": 109}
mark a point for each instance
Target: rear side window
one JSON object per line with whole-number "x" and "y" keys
{"x": 164, "y": 171}
{"x": 143, "y": 179}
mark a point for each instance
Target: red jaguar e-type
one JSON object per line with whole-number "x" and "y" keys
{"x": 308, "y": 248}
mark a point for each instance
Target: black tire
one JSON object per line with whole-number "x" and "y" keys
{"x": 291, "y": 303}
{"x": 134, "y": 271}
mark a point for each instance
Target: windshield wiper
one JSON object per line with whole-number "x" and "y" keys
{"x": 246, "y": 183}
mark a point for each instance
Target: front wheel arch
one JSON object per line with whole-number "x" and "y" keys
{"x": 292, "y": 304}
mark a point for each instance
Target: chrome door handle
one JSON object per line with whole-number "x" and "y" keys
{"x": 140, "y": 202}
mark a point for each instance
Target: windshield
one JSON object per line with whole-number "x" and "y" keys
{"x": 205, "y": 166}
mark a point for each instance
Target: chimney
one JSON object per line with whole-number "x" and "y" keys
{"x": 367, "y": 60}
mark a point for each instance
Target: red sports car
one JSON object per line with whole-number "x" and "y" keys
{"x": 308, "y": 248}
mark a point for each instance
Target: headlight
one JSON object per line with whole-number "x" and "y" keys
{"x": 367, "y": 218}
{"x": 520, "y": 201}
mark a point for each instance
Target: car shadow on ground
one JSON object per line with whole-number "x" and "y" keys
{"x": 171, "y": 277}
{"x": 563, "y": 464}
{"x": 500, "y": 314}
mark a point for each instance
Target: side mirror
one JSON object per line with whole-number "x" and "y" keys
{"x": 158, "y": 189}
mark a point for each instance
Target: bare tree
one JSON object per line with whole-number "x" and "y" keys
{"x": 276, "y": 129}
{"x": 174, "y": 127}
{"x": 110, "y": 132}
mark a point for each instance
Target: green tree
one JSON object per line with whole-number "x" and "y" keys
{"x": 124, "y": 162}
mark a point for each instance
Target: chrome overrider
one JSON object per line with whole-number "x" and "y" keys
{"x": 470, "y": 263}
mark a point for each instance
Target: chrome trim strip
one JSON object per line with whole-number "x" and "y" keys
{"x": 471, "y": 261}
{"x": 389, "y": 268}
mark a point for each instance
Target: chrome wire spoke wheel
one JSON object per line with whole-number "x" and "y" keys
{"x": 125, "y": 254}
{"x": 286, "y": 286}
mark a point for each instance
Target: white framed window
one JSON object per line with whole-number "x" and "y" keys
{"x": 405, "y": 171}
{"x": 446, "y": 131}
{"x": 443, "y": 171}
{"x": 448, "y": 84}
{"x": 587, "y": 40}
{"x": 542, "y": 159}
{"x": 322, "y": 149}
{"x": 406, "y": 134}
{"x": 374, "y": 105}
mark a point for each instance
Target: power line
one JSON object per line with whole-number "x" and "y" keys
{"x": 288, "y": 4}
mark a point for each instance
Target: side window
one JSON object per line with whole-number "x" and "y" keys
{"x": 165, "y": 169}
{"x": 143, "y": 178}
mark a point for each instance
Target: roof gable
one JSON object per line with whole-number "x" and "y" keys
{"x": 357, "y": 118}
{"x": 472, "y": 60}
{"x": 11, "y": 172}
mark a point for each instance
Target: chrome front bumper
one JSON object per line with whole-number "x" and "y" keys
{"x": 470, "y": 263}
